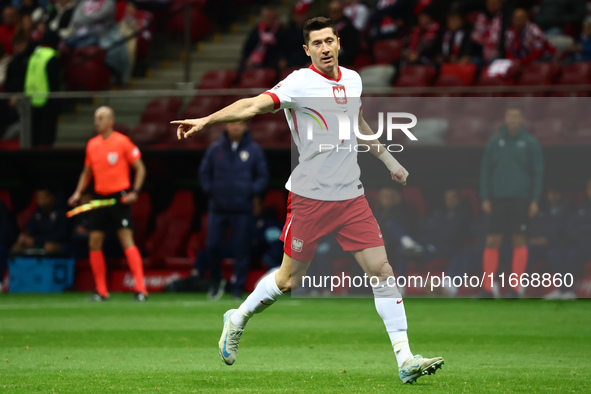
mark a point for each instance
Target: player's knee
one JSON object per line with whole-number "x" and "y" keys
{"x": 382, "y": 271}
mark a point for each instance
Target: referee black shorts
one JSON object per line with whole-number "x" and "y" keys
{"x": 509, "y": 216}
{"x": 110, "y": 218}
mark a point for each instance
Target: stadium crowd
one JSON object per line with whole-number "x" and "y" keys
{"x": 429, "y": 32}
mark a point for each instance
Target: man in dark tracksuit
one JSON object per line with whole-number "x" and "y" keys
{"x": 232, "y": 173}
{"x": 510, "y": 188}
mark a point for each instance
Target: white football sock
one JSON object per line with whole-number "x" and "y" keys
{"x": 264, "y": 295}
{"x": 391, "y": 309}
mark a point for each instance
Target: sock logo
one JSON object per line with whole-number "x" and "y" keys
{"x": 264, "y": 303}
{"x": 399, "y": 301}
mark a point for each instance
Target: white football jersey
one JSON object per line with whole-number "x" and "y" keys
{"x": 313, "y": 103}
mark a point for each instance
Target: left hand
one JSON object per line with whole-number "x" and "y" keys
{"x": 400, "y": 176}
{"x": 533, "y": 209}
{"x": 129, "y": 198}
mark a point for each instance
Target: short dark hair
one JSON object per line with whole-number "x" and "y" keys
{"x": 317, "y": 23}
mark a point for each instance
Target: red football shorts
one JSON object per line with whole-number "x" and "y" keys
{"x": 351, "y": 221}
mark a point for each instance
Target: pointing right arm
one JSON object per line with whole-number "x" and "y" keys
{"x": 239, "y": 110}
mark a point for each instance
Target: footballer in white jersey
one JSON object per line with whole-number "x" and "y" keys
{"x": 326, "y": 195}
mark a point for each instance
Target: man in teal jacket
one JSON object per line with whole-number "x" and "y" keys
{"x": 510, "y": 188}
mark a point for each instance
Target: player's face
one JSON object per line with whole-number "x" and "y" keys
{"x": 103, "y": 121}
{"x": 514, "y": 119}
{"x": 323, "y": 49}
{"x": 236, "y": 130}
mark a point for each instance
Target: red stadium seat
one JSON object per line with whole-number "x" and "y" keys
{"x": 539, "y": 74}
{"x": 274, "y": 134}
{"x": 162, "y": 110}
{"x": 413, "y": 196}
{"x": 387, "y": 51}
{"x": 150, "y": 133}
{"x": 362, "y": 60}
{"x": 575, "y": 74}
{"x": 456, "y": 75}
{"x": 416, "y": 76}
{"x": 218, "y": 79}
{"x": 141, "y": 211}
{"x": 172, "y": 228}
{"x": 202, "y": 106}
{"x": 261, "y": 78}
{"x": 86, "y": 70}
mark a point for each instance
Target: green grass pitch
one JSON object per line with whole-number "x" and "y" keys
{"x": 64, "y": 344}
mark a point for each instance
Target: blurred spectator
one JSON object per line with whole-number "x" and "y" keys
{"x": 348, "y": 35}
{"x": 47, "y": 229}
{"x": 358, "y": 14}
{"x": 546, "y": 236}
{"x": 10, "y": 20}
{"x": 510, "y": 187}
{"x": 59, "y": 18}
{"x": 15, "y": 83}
{"x": 579, "y": 249}
{"x": 127, "y": 27}
{"x": 583, "y": 47}
{"x": 423, "y": 38}
{"x": 488, "y": 32}
{"x": 232, "y": 173}
{"x": 395, "y": 222}
{"x": 91, "y": 20}
{"x": 94, "y": 24}
{"x": 31, "y": 8}
{"x": 525, "y": 42}
{"x": 8, "y": 233}
{"x": 441, "y": 233}
{"x": 43, "y": 77}
{"x": 391, "y": 19}
{"x": 292, "y": 53}
{"x": 454, "y": 44}
{"x": 554, "y": 15}
{"x": 262, "y": 48}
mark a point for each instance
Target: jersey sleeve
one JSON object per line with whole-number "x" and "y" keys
{"x": 132, "y": 152}
{"x": 285, "y": 92}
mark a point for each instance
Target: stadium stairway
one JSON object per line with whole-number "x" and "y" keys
{"x": 218, "y": 51}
